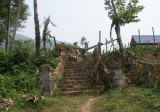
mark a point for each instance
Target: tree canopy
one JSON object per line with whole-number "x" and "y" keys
{"x": 4, "y": 13}
{"x": 123, "y": 11}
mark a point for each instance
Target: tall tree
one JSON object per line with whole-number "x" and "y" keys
{"x": 13, "y": 14}
{"x": 122, "y": 12}
{"x": 37, "y": 29}
{"x": 16, "y": 25}
{"x": 8, "y": 26}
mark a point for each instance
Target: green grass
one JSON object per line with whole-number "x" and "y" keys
{"x": 56, "y": 104}
{"x": 65, "y": 103}
{"x": 128, "y": 100}
{"x": 133, "y": 99}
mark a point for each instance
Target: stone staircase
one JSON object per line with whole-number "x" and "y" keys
{"x": 76, "y": 78}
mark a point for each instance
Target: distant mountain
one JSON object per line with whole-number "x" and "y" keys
{"x": 22, "y": 37}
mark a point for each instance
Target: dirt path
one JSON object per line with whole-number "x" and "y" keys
{"x": 87, "y": 107}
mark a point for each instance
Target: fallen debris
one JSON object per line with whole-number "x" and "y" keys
{"x": 6, "y": 103}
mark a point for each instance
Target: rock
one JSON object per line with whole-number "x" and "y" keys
{"x": 156, "y": 104}
{"x": 31, "y": 98}
{"x": 6, "y": 103}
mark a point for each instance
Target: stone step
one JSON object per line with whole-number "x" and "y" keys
{"x": 75, "y": 71}
{"x": 68, "y": 81}
{"x": 74, "y": 74}
{"x": 74, "y": 77}
{"x": 72, "y": 85}
{"x": 80, "y": 88}
{"x": 81, "y": 92}
{"x": 77, "y": 65}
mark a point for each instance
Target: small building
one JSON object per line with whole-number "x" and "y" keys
{"x": 144, "y": 40}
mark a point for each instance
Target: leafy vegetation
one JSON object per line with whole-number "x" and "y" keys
{"x": 149, "y": 53}
{"x": 18, "y": 75}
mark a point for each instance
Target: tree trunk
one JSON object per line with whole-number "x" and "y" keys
{"x": 44, "y": 45}
{"x": 112, "y": 25}
{"x": 16, "y": 25}
{"x": 8, "y": 26}
{"x": 117, "y": 29}
{"x": 37, "y": 30}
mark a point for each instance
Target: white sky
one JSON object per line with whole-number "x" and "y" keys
{"x": 78, "y": 18}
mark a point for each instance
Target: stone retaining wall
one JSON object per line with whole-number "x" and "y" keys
{"x": 49, "y": 78}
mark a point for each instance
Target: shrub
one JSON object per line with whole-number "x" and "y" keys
{"x": 25, "y": 82}
{"x": 7, "y": 86}
{"x": 15, "y": 61}
{"x": 45, "y": 61}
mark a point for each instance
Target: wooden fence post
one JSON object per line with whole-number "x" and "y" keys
{"x": 99, "y": 43}
{"x": 139, "y": 36}
{"x": 106, "y": 43}
{"x": 153, "y": 36}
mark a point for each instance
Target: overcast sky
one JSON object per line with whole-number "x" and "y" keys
{"x": 78, "y": 18}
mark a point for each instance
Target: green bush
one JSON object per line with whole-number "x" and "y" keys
{"x": 7, "y": 86}
{"x": 25, "y": 83}
{"x": 45, "y": 61}
{"x": 17, "y": 69}
{"x": 15, "y": 61}
{"x": 18, "y": 78}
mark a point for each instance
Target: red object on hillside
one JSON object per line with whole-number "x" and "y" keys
{"x": 149, "y": 55}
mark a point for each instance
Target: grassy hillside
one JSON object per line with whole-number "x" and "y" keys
{"x": 133, "y": 99}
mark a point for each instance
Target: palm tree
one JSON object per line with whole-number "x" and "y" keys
{"x": 8, "y": 26}
{"x": 37, "y": 30}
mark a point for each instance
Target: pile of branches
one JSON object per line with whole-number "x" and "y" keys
{"x": 63, "y": 47}
{"x": 113, "y": 59}
{"x": 94, "y": 72}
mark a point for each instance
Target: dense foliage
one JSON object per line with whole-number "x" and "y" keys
{"x": 18, "y": 71}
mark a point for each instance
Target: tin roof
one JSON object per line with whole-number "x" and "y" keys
{"x": 146, "y": 38}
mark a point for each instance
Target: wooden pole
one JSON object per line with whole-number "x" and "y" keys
{"x": 139, "y": 36}
{"x": 8, "y": 26}
{"x": 99, "y": 43}
{"x": 153, "y": 35}
{"x": 100, "y": 36}
{"x": 106, "y": 43}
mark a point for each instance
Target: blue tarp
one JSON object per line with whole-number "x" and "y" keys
{"x": 146, "y": 38}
